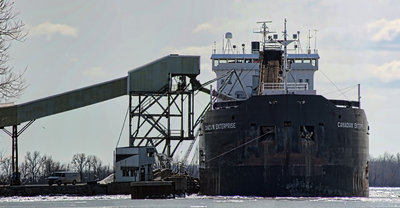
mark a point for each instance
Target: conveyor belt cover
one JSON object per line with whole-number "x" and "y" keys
{"x": 154, "y": 77}
{"x": 16, "y": 114}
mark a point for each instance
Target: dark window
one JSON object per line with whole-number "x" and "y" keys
{"x": 287, "y": 123}
{"x": 150, "y": 154}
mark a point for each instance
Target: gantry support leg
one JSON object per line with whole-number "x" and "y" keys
{"x": 15, "y": 178}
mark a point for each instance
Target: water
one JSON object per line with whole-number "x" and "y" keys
{"x": 379, "y": 197}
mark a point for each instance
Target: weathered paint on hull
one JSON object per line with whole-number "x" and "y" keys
{"x": 264, "y": 147}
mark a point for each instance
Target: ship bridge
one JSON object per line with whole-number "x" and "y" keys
{"x": 239, "y": 75}
{"x": 267, "y": 70}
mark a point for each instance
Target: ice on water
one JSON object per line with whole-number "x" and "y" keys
{"x": 379, "y": 197}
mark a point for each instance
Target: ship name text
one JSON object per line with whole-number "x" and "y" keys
{"x": 350, "y": 125}
{"x": 220, "y": 126}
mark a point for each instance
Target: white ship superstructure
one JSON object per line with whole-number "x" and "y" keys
{"x": 239, "y": 72}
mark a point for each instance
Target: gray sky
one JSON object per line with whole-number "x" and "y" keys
{"x": 73, "y": 44}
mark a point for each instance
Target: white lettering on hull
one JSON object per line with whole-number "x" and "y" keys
{"x": 349, "y": 125}
{"x": 220, "y": 126}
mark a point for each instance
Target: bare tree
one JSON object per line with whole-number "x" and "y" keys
{"x": 32, "y": 163}
{"x": 5, "y": 168}
{"x": 385, "y": 170}
{"x": 36, "y": 168}
{"x": 49, "y": 166}
{"x": 79, "y": 162}
{"x": 95, "y": 167}
{"x": 89, "y": 171}
{"x": 11, "y": 84}
{"x": 23, "y": 169}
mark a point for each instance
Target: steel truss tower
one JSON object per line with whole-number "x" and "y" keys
{"x": 163, "y": 120}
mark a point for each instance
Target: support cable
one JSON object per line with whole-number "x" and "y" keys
{"x": 346, "y": 89}
{"x": 235, "y": 148}
{"x": 333, "y": 84}
{"x": 123, "y": 125}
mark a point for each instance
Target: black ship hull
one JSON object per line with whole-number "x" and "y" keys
{"x": 284, "y": 145}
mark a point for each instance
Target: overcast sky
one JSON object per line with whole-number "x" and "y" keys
{"x": 73, "y": 44}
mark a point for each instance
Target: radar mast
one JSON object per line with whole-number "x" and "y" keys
{"x": 264, "y": 31}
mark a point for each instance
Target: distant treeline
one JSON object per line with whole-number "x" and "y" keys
{"x": 35, "y": 168}
{"x": 385, "y": 170}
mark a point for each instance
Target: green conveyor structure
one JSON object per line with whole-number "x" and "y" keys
{"x": 150, "y": 78}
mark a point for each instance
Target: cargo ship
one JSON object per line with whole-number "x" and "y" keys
{"x": 268, "y": 133}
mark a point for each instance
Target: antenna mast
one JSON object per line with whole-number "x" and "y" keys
{"x": 315, "y": 40}
{"x": 264, "y": 31}
{"x": 285, "y": 58}
{"x": 215, "y": 47}
{"x": 359, "y": 95}
{"x": 309, "y": 42}
{"x": 285, "y": 42}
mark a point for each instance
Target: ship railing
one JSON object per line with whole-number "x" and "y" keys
{"x": 227, "y": 104}
{"x": 346, "y": 103}
{"x": 292, "y": 86}
{"x": 230, "y": 51}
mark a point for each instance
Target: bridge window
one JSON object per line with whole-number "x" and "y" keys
{"x": 298, "y": 61}
{"x": 215, "y": 62}
{"x": 247, "y": 61}
{"x": 313, "y": 62}
{"x": 222, "y": 61}
{"x": 307, "y": 61}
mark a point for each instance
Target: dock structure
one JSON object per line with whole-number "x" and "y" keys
{"x": 167, "y": 84}
{"x": 176, "y": 186}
